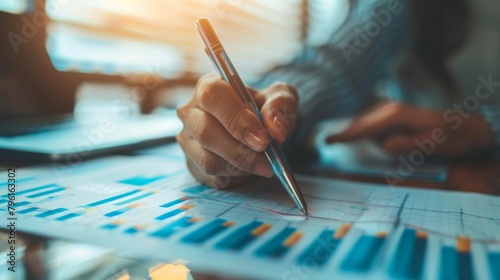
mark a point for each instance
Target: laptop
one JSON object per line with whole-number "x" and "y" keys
{"x": 64, "y": 138}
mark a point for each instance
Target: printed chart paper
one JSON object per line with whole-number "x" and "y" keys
{"x": 148, "y": 206}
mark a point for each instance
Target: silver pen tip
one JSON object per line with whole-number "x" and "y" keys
{"x": 305, "y": 211}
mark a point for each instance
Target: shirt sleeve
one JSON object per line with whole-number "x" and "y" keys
{"x": 339, "y": 78}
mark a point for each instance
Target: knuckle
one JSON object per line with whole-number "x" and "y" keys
{"x": 208, "y": 91}
{"x": 231, "y": 124}
{"x": 202, "y": 133}
{"x": 289, "y": 89}
{"x": 208, "y": 163}
{"x": 242, "y": 159}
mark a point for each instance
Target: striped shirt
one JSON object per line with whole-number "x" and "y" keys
{"x": 340, "y": 78}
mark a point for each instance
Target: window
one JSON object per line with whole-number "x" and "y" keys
{"x": 143, "y": 36}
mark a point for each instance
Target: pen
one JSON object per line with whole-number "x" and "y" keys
{"x": 226, "y": 70}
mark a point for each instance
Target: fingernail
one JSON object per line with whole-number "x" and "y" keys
{"x": 255, "y": 142}
{"x": 263, "y": 169}
{"x": 279, "y": 122}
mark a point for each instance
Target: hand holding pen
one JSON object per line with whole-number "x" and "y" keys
{"x": 221, "y": 137}
{"x": 223, "y": 140}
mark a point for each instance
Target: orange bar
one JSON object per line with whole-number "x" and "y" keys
{"x": 342, "y": 231}
{"x": 227, "y": 224}
{"x": 292, "y": 239}
{"x": 185, "y": 198}
{"x": 381, "y": 234}
{"x": 421, "y": 234}
{"x": 117, "y": 222}
{"x": 186, "y": 207}
{"x": 463, "y": 244}
{"x": 135, "y": 205}
{"x": 261, "y": 229}
{"x": 194, "y": 220}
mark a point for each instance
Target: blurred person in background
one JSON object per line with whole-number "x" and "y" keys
{"x": 415, "y": 74}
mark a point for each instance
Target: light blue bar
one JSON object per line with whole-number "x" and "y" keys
{"x": 133, "y": 199}
{"x": 32, "y": 190}
{"x": 28, "y": 210}
{"x": 116, "y": 197}
{"x": 141, "y": 180}
{"x": 117, "y": 212}
{"x": 169, "y": 214}
{"x": 172, "y": 203}
{"x": 68, "y": 216}
{"x": 195, "y": 189}
{"x": 46, "y": 192}
{"x": 51, "y": 212}
{"x": 109, "y": 226}
{"x": 22, "y": 203}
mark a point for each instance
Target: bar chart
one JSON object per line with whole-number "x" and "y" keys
{"x": 354, "y": 230}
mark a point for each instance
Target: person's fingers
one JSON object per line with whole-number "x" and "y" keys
{"x": 216, "y": 97}
{"x": 405, "y": 144}
{"x": 212, "y": 136}
{"x": 376, "y": 122}
{"x": 280, "y": 110}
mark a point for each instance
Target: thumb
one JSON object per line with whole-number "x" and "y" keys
{"x": 280, "y": 110}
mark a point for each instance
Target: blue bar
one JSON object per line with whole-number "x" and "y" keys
{"x": 494, "y": 259}
{"x": 205, "y": 232}
{"x": 133, "y": 199}
{"x": 4, "y": 200}
{"x": 116, "y": 197}
{"x": 169, "y": 214}
{"x": 32, "y": 190}
{"x": 169, "y": 229}
{"x": 362, "y": 254}
{"x": 195, "y": 189}
{"x": 274, "y": 247}
{"x": 239, "y": 238}
{"x": 68, "y": 216}
{"x": 51, "y": 212}
{"x": 465, "y": 266}
{"x": 449, "y": 262}
{"x": 141, "y": 180}
{"x": 28, "y": 210}
{"x": 131, "y": 230}
{"x": 321, "y": 250}
{"x": 17, "y": 181}
{"x": 455, "y": 265}
{"x": 117, "y": 212}
{"x": 22, "y": 203}
{"x": 172, "y": 203}
{"x": 408, "y": 258}
{"x": 110, "y": 226}
{"x": 46, "y": 192}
